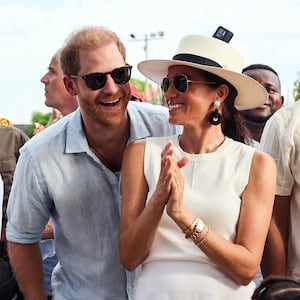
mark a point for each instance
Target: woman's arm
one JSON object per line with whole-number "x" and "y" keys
{"x": 138, "y": 220}
{"x": 240, "y": 259}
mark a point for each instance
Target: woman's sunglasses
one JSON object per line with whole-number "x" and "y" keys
{"x": 96, "y": 81}
{"x": 180, "y": 83}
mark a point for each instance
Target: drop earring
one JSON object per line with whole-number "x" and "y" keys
{"x": 215, "y": 118}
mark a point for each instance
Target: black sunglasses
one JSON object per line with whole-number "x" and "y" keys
{"x": 96, "y": 81}
{"x": 180, "y": 83}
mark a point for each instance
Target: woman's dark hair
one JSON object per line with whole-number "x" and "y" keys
{"x": 277, "y": 288}
{"x": 233, "y": 125}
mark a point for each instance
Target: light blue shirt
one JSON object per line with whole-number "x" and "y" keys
{"x": 58, "y": 175}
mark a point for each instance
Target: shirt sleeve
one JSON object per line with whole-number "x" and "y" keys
{"x": 277, "y": 140}
{"x": 28, "y": 205}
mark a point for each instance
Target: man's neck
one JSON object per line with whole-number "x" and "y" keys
{"x": 255, "y": 128}
{"x": 108, "y": 143}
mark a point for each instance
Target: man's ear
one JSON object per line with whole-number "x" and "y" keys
{"x": 70, "y": 85}
{"x": 282, "y": 100}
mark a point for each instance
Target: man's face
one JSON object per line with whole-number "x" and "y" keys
{"x": 271, "y": 83}
{"x": 55, "y": 91}
{"x": 105, "y": 106}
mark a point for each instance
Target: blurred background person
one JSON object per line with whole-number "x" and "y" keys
{"x": 62, "y": 103}
{"x": 277, "y": 288}
{"x": 135, "y": 93}
{"x": 12, "y": 139}
{"x": 56, "y": 95}
{"x": 281, "y": 139}
{"x": 256, "y": 118}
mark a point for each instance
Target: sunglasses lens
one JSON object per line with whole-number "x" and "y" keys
{"x": 165, "y": 84}
{"x": 121, "y": 75}
{"x": 95, "y": 81}
{"x": 180, "y": 83}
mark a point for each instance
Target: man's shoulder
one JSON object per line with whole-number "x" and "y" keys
{"x": 13, "y": 134}
{"x": 12, "y": 131}
{"x": 148, "y": 119}
{"x": 143, "y": 108}
{"x": 288, "y": 111}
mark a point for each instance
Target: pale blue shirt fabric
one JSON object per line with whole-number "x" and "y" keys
{"x": 58, "y": 175}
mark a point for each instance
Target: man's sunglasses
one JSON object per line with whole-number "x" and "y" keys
{"x": 96, "y": 81}
{"x": 180, "y": 83}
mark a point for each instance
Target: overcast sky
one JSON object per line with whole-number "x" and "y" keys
{"x": 31, "y": 31}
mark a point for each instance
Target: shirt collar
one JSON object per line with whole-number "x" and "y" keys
{"x": 76, "y": 141}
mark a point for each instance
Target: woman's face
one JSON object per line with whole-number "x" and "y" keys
{"x": 196, "y": 103}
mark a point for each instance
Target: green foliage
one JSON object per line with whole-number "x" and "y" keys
{"x": 38, "y": 117}
{"x": 296, "y": 90}
{"x": 139, "y": 84}
{"x": 154, "y": 94}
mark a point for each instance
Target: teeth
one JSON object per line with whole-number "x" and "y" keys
{"x": 172, "y": 106}
{"x": 113, "y": 101}
{"x": 110, "y": 102}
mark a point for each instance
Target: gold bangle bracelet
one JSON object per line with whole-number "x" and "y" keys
{"x": 189, "y": 230}
{"x": 197, "y": 231}
{"x": 204, "y": 238}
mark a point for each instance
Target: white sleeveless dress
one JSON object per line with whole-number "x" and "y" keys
{"x": 175, "y": 268}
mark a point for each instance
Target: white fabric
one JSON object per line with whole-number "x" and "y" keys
{"x": 188, "y": 281}
{"x": 281, "y": 139}
{"x": 213, "y": 185}
{"x": 258, "y": 277}
{"x": 253, "y": 143}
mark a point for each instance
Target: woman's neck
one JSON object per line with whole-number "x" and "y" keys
{"x": 201, "y": 142}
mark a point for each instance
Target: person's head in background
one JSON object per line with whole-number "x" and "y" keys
{"x": 135, "y": 94}
{"x": 55, "y": 92}
{"x": 256, "y": 118}
{"x": 277, "y": 288}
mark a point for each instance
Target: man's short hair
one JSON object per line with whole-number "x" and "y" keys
{"x": 259, "y": 67}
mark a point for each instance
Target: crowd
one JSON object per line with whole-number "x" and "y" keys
{"x": 117, "y": 199}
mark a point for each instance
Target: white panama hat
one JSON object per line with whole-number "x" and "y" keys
{"x": 214, "y": 56}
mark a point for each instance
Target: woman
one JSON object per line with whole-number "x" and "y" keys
{"x": 196, "y": 207}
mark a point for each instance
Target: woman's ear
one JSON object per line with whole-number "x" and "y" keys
{"x": 70, "y": 85}
{"x": 222, "y": 92}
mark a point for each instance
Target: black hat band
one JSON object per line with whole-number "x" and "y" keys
{"x": 196, "y": 59}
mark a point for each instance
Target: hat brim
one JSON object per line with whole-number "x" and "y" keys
{"x": 250, "y": 94}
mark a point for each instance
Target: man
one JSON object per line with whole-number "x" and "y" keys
{"x": 72, "y": 174}
{"x": 255, "y": 119}
{"x": 281, "y": 139}
{"x": 56, "y": 95}
{"x": 12, "y": 139}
